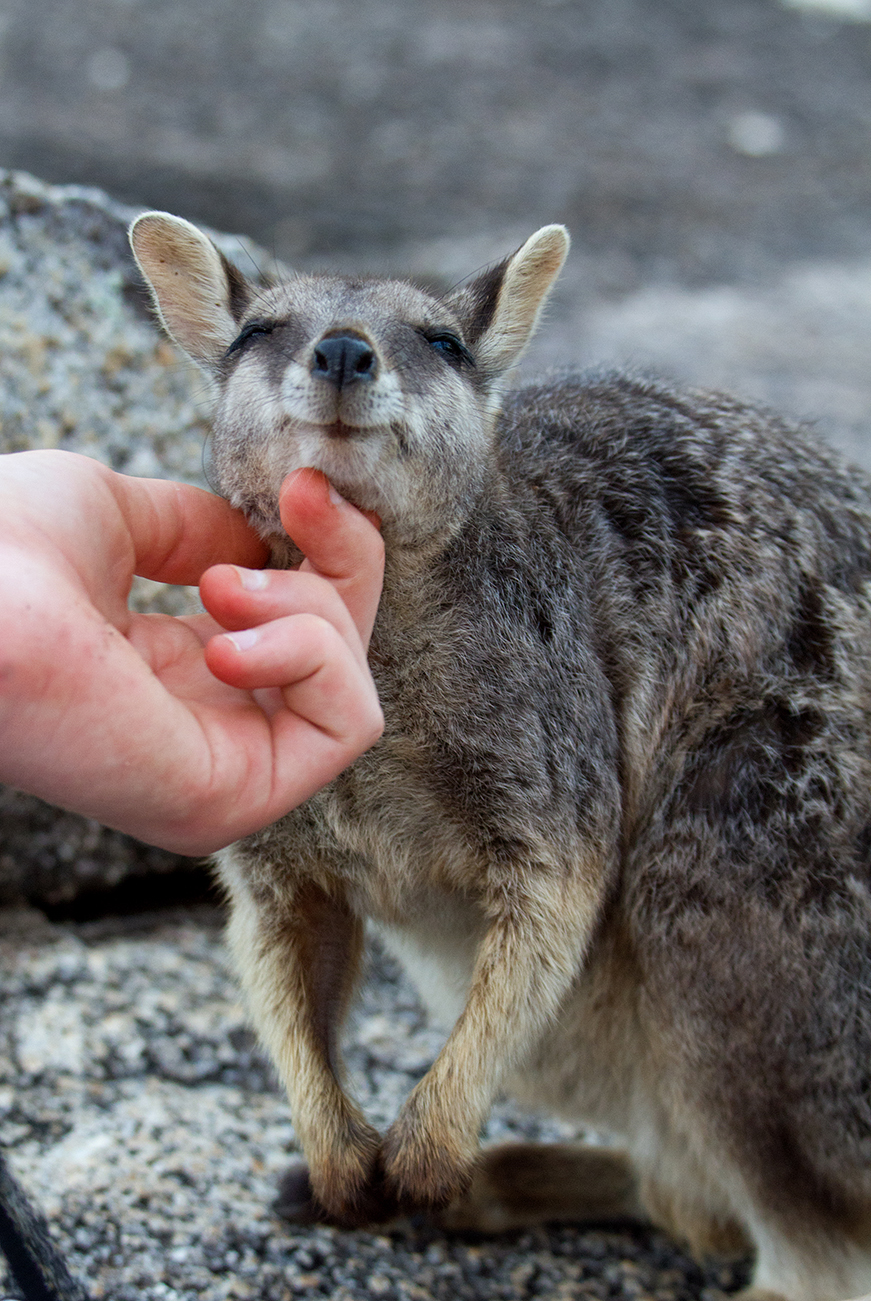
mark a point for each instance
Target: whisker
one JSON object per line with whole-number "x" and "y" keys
{"x": 208, "y": 465}
{"x": 262, "y": 278}
{"x": 485, "y": 266}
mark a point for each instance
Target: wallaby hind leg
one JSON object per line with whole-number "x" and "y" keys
{"x": 520, "y": 1184}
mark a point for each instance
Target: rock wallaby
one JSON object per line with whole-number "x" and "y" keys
{"x": 619, "y": 824}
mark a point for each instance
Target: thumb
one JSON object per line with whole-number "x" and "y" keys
{"x": 339, "y": 542}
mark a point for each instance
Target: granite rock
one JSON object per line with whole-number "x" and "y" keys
{"x": 83, "y": 367}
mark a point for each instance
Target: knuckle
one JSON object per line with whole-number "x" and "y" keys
{"x": 366, "y": 726}
{"x": 322, "y": 635}
{"x": 376, "y": 724}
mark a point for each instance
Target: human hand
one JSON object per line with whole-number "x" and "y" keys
{"x": 186, "y": 732}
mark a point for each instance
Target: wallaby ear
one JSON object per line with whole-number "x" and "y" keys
{"x": 199, "y": 295}
{"x": 501, "y": 307}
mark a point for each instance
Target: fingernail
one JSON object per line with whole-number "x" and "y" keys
{"x": 253, "y": 580}
{"x": 244, "y": 639}
{"x": 335, "y": 497}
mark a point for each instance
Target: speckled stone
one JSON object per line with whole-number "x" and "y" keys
{"x": 140, "y": 1114}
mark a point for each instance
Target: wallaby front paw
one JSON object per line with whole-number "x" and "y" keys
{"x": 297, "y": 1203}
{"x": 426, "y": 1166}
{"x": 345, "y": 1185}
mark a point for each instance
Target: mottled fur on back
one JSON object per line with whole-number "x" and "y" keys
{"x": 619, "y": 823}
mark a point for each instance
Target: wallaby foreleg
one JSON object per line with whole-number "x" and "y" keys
{"x": 541, "y": 921}
{"x": 298, "y": 958}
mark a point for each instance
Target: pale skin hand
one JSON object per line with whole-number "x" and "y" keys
{"x": 186, "y": 732}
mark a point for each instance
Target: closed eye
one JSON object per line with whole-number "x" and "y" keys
{"x": 252, "y": 329}
{"x": 454, "y": 350}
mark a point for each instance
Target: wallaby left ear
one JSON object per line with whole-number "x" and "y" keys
{"x": 200, "y": 296}
{"x": 501, "y": 307}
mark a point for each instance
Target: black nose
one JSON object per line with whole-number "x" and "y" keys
{"x": 344, "y": 359}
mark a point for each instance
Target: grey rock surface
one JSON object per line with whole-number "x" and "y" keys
{"x": 82, "y": 367}
{"x": 137, "y": 1110}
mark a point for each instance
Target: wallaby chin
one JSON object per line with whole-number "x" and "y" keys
{"x": 617, "y": 825}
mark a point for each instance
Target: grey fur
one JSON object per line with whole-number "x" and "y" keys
{"x": 619, "y": 823}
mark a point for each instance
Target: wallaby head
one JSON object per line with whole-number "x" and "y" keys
{"x": 389, "y": 390}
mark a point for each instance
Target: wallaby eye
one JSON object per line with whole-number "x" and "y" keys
{"x": 249, "y": 331}
{"x": 453, "y": 348}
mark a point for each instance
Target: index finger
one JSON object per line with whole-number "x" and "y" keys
{"x": 179, "y": 531}
{"x": 339, "y": 542}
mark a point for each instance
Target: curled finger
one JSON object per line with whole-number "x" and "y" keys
{"x": 320, "y": 677}
{"x": 240, "y": 598}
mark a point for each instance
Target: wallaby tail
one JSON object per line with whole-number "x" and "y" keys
{"x": 36, "y": 1264}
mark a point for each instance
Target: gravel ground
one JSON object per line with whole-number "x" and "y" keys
{"x": 138, "y": 1111}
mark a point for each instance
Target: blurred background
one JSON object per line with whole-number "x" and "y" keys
{"x": 712, "y": 158}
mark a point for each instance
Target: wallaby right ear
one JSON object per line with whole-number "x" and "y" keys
{"x": 199, "y": 295}
{"x": 501, "y": 307}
